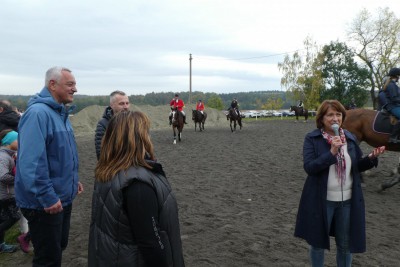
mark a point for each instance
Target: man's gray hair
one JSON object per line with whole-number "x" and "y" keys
{"x": 54, "y": 74}
{"x": 113, "y": 94}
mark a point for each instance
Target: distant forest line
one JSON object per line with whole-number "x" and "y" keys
{"x": 247, "y": 100}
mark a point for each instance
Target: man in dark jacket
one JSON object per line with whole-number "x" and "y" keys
{"x": 9, "y": 119}
{"x": 119, "y": 101}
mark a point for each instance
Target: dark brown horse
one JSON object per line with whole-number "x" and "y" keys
{"x": 234, "y": 117}
{"x": 360, "y": 123}
{"x": 177, "y": 123}
{"x": 298, "y": 111}
{"x": 199, "y": 118}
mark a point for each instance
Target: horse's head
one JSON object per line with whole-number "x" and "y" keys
{"x": 291, "y": 108}
{"x": 194, "y": 113}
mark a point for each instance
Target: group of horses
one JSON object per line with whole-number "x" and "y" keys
{"x": 233, "y": 116}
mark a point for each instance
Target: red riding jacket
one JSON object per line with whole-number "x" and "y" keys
{"x": 177, "y": 103}
{"x": 200, "y": 106}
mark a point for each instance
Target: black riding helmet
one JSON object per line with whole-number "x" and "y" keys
{"x": 394, "y": 72}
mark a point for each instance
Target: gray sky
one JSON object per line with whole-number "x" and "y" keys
{"x": 143, "y": 46}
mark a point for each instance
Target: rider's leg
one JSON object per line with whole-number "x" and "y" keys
{"x": 184, "y": 117}
{"x": 170, "y": 118}
{"x": 396, "y": 128}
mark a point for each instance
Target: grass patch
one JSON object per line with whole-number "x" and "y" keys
{"x": 12, "y": 234}
{"x": 10, "y": 238}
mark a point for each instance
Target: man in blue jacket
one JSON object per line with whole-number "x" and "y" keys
{"x": 47, "y": 181}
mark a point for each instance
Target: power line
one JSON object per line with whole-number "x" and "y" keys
{"x": 250, "y": 58}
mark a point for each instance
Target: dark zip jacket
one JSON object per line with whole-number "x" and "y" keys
{"x": 111, "y": 242}
{"x": 101, "y": 129}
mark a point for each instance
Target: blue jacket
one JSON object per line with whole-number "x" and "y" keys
{"x": 392, "y": 96}
{"x": 47, "y": 168}
{"x": 382, "y": 100}
{"x": 311, "y": 223}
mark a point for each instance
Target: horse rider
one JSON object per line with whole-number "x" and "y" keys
{"x": 178, "y": 104}
{"x": 382, "y": 101}
{"x": 352, "y": 104}
{"x": 300, "y": 105}
{"x": 235, "y": 106}
{"x": 200, "y": 106}
{"x": 393, "y": 100}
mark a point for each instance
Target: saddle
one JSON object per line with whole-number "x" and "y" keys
{"x": 384, "y": 122}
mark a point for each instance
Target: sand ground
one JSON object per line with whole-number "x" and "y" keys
{"x": 238, "y": 195}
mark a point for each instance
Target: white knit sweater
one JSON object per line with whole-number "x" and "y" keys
{"x": 335, "y": 190}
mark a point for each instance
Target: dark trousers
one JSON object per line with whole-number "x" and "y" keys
{"x": 8, "y": 216}
{"x": 49, "y": 235}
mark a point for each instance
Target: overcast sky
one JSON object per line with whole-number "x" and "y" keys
{"x": 143, "y": 46}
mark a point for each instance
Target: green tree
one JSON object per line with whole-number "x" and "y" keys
{"x": 273, "y": 103}
{"x": 375, "y": 41}
{"x": 343, "y": 78}
{"x": 215, "y": 101}
{"x": 302, "y": 75}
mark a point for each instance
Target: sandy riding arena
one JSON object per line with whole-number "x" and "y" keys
{"x": 238, "y": 193}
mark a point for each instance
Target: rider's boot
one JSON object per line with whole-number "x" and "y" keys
{"x": 170, "y": 120}
{"x": 394, "y": 134}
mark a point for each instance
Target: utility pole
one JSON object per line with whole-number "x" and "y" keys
{"x": 190, "y": 78}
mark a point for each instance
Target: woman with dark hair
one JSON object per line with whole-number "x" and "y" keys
{"x": 134, "y": 212}
{"x": 332, "y": 202}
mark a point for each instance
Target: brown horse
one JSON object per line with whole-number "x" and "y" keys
{"x": 234, "y": 117}
{"x": 360, "y": 123}
{"x": 298, "y": 111}
{"x": 177, "y": 123}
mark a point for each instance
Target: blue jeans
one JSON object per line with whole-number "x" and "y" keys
{"x": 49, "y": 235}
{"x": 340, "y": 212}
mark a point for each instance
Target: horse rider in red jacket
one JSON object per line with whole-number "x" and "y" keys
{"x": 178, "y": 104}
{"x": 200, "y": 106}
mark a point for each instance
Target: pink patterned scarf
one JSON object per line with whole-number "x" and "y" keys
{"x": 341, "y": 162}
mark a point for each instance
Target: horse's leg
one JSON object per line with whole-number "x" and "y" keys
{"x": 173, "y": 128}
{"x": 180, "y": 134}
{"x": 230, "y": 124}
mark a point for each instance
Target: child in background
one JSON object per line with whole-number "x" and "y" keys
{"x": 24, "y": 238}
{"x": 9, "y": 213}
